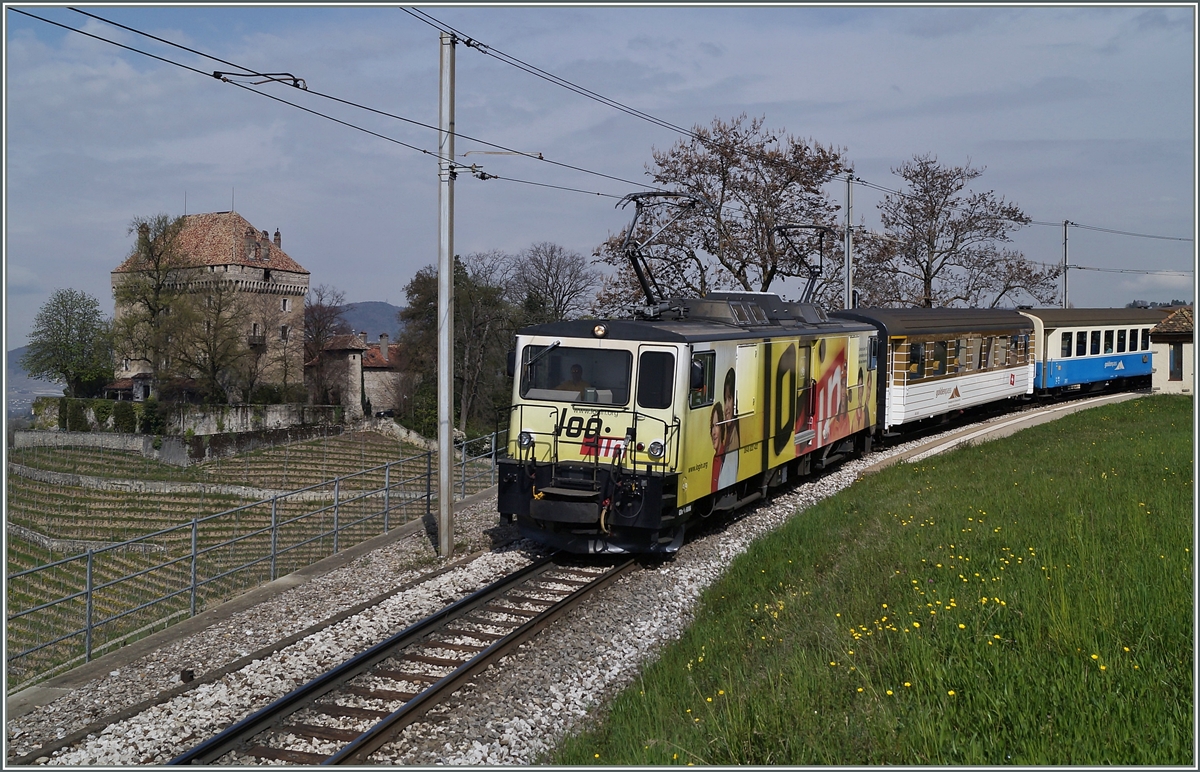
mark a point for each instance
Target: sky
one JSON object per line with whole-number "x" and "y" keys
{"x": 1076, "y": 113}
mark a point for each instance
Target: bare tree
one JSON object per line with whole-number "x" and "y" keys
{"x": 213, "y": 341}
{"x": 942, "y": 245}
{"x": 754, "y": 179}
{"x": 554, "y": 282}
{"x": 323, "y": 318}
{"x": 147, "y": 287}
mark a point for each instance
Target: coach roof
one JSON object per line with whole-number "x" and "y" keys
{"x": 934, "y": 321}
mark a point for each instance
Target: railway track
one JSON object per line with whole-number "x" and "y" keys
{"x": 345, "y": 715}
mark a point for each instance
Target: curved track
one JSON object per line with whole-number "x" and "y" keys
{"x": 385, "y": 688}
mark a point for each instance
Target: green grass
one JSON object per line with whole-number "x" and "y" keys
{"x": 1025, "y": 601}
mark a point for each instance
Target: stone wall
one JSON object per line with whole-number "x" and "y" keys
{"x": 208, "y": 419}
{"x": 174, "y": 450}
{"x": 76, "y": 546}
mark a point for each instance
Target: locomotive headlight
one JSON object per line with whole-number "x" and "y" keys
{"x": 656, "y": 449}
{"x": 525, "y": 440}
{"x": 600, "y": 330}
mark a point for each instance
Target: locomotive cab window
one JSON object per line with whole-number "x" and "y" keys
{"x": 704, "y": 373}
{"x": 569, "y": 374}
{"x": 656, "y": 376}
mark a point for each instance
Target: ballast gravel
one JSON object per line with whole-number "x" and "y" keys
{"x": 514, "y": 713}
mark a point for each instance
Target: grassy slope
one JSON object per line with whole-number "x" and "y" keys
{"x": 1026, "y": 601}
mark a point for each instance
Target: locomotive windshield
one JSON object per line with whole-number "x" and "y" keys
{"x": 566, "y": 374}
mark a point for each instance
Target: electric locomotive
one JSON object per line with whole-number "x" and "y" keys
{"x": 622, "y": 433}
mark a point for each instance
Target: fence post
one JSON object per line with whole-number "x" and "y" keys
{"x": 336, "y": 506}
{"x": 274, "y": 534}
{"x": 195, "y": 556}
{"x": 428, "y": 479}
{"x": 87, "y": 650}
{"x": 387, "y": 501}
{"x": 493, "y": 478}
{"x": 463, "y": 476}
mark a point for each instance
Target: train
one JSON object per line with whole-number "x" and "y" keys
{"x": 623, "y": 434}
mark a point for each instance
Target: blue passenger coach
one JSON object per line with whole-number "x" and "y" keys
{"x": 1078, "y": 348}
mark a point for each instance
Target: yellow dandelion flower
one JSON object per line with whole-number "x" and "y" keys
{"x": 1104, "y": 667}
{"x": 916, "y": 624}
{"x": 860, "y": 688}
{"x": 951, "y": 692}
{"x": 1095, "y": 656}
{"x": 709, "y": 699}
{"x": 996, "y": 637}
{"x": 907, "y": 684}
{"x": 720, "y": 691}
{"x": 889, "y": 691}
{"x": 962, "y": 627}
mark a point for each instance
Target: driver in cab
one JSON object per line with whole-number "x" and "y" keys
{"x": 577, "y": 383}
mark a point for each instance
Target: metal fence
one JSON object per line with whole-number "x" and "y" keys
{"x": 71, "y": 610}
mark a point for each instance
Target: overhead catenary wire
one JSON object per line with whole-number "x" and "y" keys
{"x": 250, "y": 72}
{"x": 589, "y": 94}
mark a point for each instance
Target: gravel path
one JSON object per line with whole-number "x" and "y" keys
{"x": 510, "y": 715}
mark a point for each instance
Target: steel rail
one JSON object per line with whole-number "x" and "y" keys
{"x": 266, "y": 717}
{"x": 239, "y": 734}
{"x": 358, "y": 751}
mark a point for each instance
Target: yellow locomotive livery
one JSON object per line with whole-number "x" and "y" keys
{"x": 624, "y": 432}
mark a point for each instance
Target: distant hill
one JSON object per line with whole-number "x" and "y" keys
{"x": 373, "y": 317}
{"x": 21, "y": 389}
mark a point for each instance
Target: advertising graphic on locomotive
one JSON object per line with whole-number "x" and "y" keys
{"x": 623, "y": 432}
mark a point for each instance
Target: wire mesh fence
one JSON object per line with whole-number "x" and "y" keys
{"x": 68, "y": 611}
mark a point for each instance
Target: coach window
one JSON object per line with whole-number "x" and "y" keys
{"x": 952, "y": 352}
{"x": 872, "y": 353}
{"x": 1108, "y": 341}
{"x": 656, "y": 372}
{"x": 1095, "y": 341}
{"x": 939, "y": 358}
{"x": 916, "y": 361}
{"x": 976, "y": 354}
{"x": 1145, "y": 338}
{"x": 1133, "y": 340}
{"x": 704, "y": 370}
{"x": 1120, "y": 341}
{"x": 1066, "y": 345}
{"x": 1000, "y": 354}
{"x": 1081, "y": 344}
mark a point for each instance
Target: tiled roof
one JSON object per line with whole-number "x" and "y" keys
{"x": 372, "y": 358}
{"x": 345, "y": 343}
{"x": 219, "y": 238}
{"x": 1180, "y": 321}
